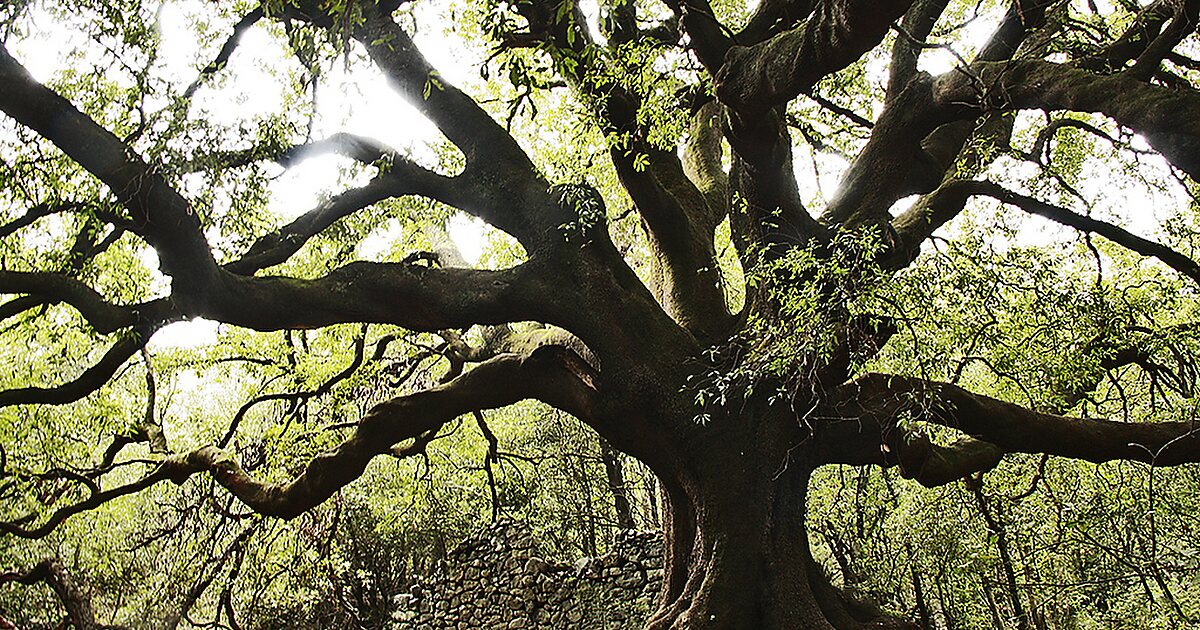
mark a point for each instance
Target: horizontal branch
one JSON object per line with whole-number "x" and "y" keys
{"x": 103, "y": 316}
{"x": 932, "y": 465}
{"x": 360, "y": 148}
{"x": 414, "y": 296}
{"x": 877, "y": 402}
{"x": 1169, "y": 119}
{"x": 551, "y": 374}
{"x": 94, "y": 500}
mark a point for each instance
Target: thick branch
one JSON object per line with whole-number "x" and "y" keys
{"x": 52, "y": 572}
{"x": 1169, "y": 119}
{"x": 410, "y": 295}
{"x": 522, "y": 206}
{"x": 932, "y": 464}
{"x": 917, "y": 24}
{"x": 506, "y": 379}
{"x": 772, "y": 17}
{"x": 709, "y": 38}
{"x": 159, "y": 213}
{"x": 760, "y": 77}
{"x": 1144, "y": 29}
{"x": 681, "y": 201}
{"x": 916, "y": 139}
{"x": 878, "y": 401}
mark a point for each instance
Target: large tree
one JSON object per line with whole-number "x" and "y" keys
{"x": 733, "y": 378}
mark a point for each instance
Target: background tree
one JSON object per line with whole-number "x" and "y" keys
{"x": 664, "y": 275}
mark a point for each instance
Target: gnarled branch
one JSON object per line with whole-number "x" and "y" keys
{"x": 755, "y": 79}
{"x": 875, "y": 405}
{"x": 495, "y": 383}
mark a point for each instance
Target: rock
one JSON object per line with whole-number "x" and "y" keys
{"x": 498, "y": 579}
{"x": 536, "y": 565}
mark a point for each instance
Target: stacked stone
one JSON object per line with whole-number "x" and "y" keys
{"x": 500, "y": 579}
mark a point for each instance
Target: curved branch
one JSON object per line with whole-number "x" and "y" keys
{"x": 1169, "y": 119}
{"x": 545, "y": 374}
{"x": 680, "y": 223}
{"x": 1144, "y": 29}
{"x": 146, "y": 319}
{"x": 1182, "y": 24}
{"x": 681, "y": 201}
{"x": 92, "y": 378}
{"x": 95, "y": 500}
{"x": 520, "y": 203}
{"x": 402, "y": 178}
{"x": 932, "y": 465}
{"x": 159, "y": 212}
{"x": 551, "y": 374}
{"x": 755, "y": 79}
{"x": 46, "y": 209}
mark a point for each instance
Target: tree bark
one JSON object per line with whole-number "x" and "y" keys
{"x": 737, "y": 551}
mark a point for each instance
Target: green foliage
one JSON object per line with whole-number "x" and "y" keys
{"x": 1087, "y": 546}
{"x": 805, "y": 299}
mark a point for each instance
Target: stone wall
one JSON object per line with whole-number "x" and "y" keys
{"x": 499, "y": 578}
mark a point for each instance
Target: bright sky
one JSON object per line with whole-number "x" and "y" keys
{"x": 358, "y": 101}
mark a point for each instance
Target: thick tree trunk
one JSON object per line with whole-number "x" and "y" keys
{"x": 737, "y": 552}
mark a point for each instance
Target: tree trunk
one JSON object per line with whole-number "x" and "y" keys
{"x": 615, "y": 473}
{"x": 736, "y": 547}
